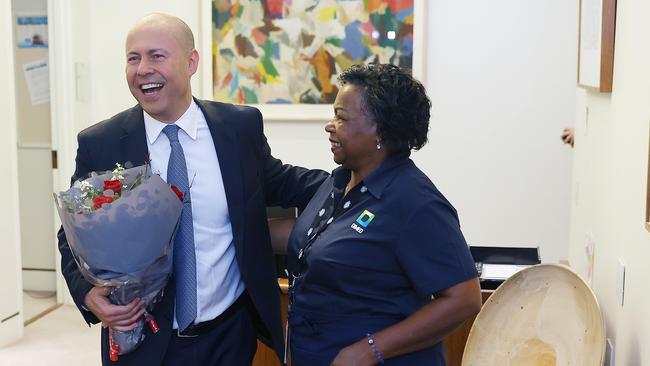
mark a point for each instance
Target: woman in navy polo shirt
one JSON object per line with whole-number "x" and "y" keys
{"x": 379, "y": 269}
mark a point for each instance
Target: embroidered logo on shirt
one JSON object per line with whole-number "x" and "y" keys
{"x": 363, "y": 220}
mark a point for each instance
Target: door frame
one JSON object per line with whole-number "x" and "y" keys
{"x": 62, "y": 102}
{"x": 11, "y": 325}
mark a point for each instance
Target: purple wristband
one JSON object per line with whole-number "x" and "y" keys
{"x": 373, "y": 346}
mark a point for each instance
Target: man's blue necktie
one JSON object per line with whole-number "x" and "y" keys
{"x": 184, "y": 255}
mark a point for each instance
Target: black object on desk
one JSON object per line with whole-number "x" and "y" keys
{"x": 275, "y": 212}
{"x": 485, "y": 256}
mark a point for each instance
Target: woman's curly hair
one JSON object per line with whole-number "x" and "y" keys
{"x": 395, "y": 101}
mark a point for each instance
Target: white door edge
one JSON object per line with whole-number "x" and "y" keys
{"x": 62, "y": 94}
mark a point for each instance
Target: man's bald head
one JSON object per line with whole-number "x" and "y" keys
{"x": 174, "y": 25}
{"x": 160, "y": 62}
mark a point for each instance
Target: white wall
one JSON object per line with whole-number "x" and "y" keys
{"x": 502, "y": 80}
{"x": 10, "y": 284}
{"x": 502, "y": 85}
{"x": 609, "y": 186}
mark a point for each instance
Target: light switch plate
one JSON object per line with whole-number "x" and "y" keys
{"x": 82, "y": 81}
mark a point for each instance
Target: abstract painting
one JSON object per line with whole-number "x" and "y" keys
{"x": 291, "y": 51}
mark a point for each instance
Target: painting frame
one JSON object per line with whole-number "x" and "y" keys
{"x": 597, "y": 28}
{"x": 308, "y": 112}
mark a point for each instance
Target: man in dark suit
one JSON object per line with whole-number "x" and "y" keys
{"x": 234, "y": 298}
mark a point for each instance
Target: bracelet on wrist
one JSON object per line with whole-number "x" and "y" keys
{"x": 373, "y": 347}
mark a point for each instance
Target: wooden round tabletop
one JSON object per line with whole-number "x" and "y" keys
{"x": 541, "y": 316}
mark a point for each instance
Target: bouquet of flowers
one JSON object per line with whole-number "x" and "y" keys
{"x": 120, "y": 226}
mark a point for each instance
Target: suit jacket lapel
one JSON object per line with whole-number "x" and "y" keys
{"x": 134, "y": 139}
{"x": 225, "y": 143}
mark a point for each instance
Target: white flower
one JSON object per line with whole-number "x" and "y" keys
{"x": 117, "y": 173}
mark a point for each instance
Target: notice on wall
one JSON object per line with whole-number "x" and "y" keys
{"x": 31, "y": 32}
{"x": 37, "y": 76}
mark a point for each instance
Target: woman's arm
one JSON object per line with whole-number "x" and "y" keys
{"x": 280, "y": 229}
{"x": 422, "y": 329}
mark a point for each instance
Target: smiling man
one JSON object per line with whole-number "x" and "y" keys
{"x": 160, "y": 60}
{"x": 223, "y": 293}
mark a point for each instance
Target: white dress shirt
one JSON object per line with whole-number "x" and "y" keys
{"x": 218, "y": 279}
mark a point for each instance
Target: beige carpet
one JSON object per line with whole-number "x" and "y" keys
{"x": 61, "y": 338}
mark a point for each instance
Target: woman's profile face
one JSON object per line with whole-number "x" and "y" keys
{"x": 352, "y": 132}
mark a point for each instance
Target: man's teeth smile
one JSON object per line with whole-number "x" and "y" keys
{"x": 335, "y": 144}
{"x": 151, "y": 87}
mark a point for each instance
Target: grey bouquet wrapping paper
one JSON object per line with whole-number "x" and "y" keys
{"x": 120, "y": 226}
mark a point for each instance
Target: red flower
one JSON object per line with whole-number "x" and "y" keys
{"x": 100, "y": 200}
{"x": 178, "y": 192}
{"x": 115, "y": 185}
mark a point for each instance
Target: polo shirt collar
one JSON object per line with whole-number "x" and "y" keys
{"x": 378, "y": 179}
{"x": 186, "y": 122}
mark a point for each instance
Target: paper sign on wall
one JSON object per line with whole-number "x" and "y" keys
{"x": 37, "y": 76}
{"x": 31, "y": 32}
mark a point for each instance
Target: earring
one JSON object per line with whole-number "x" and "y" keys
{"x": 378, "y": 145}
